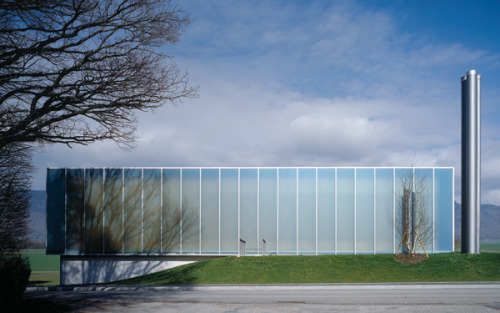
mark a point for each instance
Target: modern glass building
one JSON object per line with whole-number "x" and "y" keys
{"x": 195, "y": 212}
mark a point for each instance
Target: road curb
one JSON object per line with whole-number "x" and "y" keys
{"x": 87, "y": 288}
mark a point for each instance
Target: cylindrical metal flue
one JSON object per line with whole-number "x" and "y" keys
{"x": 471, "y": 161}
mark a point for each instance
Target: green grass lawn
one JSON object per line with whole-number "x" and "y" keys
{"x": 44, "y": 268}
{"x": 303, "y": 269}
{"x": 448, "y": 267}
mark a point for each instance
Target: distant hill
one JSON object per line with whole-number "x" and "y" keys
{"x": 37, "y": 224}
{"x": 490, "y": 219}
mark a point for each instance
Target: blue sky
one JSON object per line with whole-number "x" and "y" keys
{"x": 320, "y": 83}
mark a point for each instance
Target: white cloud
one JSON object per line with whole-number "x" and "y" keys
{"x": 286, "y": 84}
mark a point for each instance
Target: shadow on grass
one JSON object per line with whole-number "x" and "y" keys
{"x": 184, "y": 275}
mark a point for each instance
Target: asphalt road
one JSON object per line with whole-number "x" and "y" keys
{"x": 293, "y": 298}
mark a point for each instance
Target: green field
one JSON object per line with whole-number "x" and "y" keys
{"x": 44, "y": 268}
{"x": 488, "y": 246}
{"x": 446, "y": 267}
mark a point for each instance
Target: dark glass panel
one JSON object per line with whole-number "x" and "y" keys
{"x": 74, "y": 211}
{"x": 56, "y": 191}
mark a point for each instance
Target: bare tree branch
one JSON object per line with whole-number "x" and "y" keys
{"x": 15, "y": 186}
{"x": 77, "y": 71}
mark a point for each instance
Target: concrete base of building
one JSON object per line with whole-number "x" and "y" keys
{"x": 77, "y": 270}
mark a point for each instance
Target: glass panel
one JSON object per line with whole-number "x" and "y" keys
{"x": 133, "y": 211}
{"x": 210, "y": 211}
{"x": 364, "y": 210}
{"x": 403, "y": 189}
{"x": 229, "y": 211}
{"x": 345, "y": 210}
{"x": 307, "y": 211}
{"x": 152, "y": 210}
{"x": 113, "y": 211}
{"x": 74, "y": 211}
{"x": 190, "y": 238}
{"x": 423, "y": 208}
{"x": 443, "y": 210}
{"x": 248, "y": 209}
{"x": 287, "y": 211}
{"x": 93, "y": 210}
{"x": 267, "y": 208}
{"x": 384, "y": 211}
{"x": 171, "y": 211}
{"x": 56, "y": 184}
{"x": 326, "y": 210}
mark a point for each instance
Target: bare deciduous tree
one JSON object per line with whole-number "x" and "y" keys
{"x": 75, "y": 71}
{"x": 14, "y": 196}
{"x": 412, "y": 223}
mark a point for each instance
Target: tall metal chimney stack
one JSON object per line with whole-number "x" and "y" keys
{"x": 471, "y": 161}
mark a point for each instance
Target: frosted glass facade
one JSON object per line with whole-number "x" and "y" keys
{"x": 206, "y": 211}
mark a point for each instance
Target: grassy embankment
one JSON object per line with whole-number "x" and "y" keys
{"x": 449, "y": 267}
{"x": 304, "y": 269}
{"x": 44, "y": 268}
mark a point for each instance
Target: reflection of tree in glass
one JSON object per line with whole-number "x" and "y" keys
{"x": 412, "y": 223}
{"x": 113, "y": 211}
{"x": 152, "y": 210}
{"x": 140, "y": 230}
{"x": 74, "y": 211}
{"x": 93, "y": 211}
{"x": 190, "y": 228}
{"x": 132, "y": 210}
{"x": 172, "y": 225}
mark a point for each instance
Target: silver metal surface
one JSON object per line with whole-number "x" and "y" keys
{"x": 471, "y": 162}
